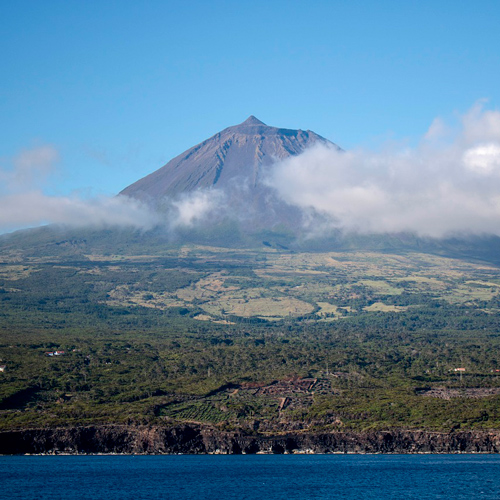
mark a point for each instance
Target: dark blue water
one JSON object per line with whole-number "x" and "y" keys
{"x": 352, "y": 477}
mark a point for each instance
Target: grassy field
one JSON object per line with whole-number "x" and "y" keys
{"x": 266, "y": 284}
{"x": 274, "y": 285}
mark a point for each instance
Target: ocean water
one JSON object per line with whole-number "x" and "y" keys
{"x": 352, "y": 477}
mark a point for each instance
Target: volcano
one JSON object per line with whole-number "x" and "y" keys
{"x": 236, "y": 156}
{"x": 230, "y": 171}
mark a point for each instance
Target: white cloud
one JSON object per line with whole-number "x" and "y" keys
{"x": 195, "y": 207}
{"x": 24, "y": 204}
{"x": 33, "y": 208}
{"x": 449, "y": 183}
{"x": 29, "y": 168}
{"x": 480, "y": 125}
{"x": 483, "y": 159}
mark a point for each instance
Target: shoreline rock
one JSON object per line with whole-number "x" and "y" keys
{"x": 194, "y": 439}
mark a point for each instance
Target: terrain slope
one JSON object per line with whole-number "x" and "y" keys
{"x": 236, "y": 154}
{"x": 122, "y": 340}
{"x": 231, "y": 169}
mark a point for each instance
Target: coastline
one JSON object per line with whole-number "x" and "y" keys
{"x": 197, "y": 439}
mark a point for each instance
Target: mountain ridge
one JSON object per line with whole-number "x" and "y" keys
{"x": 238, "y": 152}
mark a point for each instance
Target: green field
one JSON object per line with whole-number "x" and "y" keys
{"x": 270, "y": 284}
{"x": 261, "y": 340}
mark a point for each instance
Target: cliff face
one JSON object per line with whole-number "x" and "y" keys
{"x": 199, "y": 440}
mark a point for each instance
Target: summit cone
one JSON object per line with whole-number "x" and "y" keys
{"x": 236, "y": 154}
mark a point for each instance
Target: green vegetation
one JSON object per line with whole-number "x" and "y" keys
{"x": 264, "y": 340}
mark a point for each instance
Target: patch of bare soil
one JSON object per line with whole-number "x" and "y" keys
{"x": 473, "y": 392}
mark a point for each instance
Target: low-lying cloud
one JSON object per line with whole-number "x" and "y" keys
{"x": 194, "y": 208}
{"x": 34, "y": 208}
{"x": 449, "y": 183}
{"x": 24, "y": 204}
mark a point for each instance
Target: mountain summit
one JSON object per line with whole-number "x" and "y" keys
{"x": 251, "y": 120}
{"x": 236, "y": 155}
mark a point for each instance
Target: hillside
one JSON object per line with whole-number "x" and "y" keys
{"x": 259, "y": 342}
{"x": 240, "y": 329}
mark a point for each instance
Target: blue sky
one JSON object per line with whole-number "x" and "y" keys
{"x": 117, "y": 88}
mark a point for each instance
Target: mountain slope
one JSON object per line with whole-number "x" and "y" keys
{"x": 236, "y": 154}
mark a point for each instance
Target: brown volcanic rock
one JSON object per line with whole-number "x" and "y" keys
{"x": 195, "y": 439}
{"x": 237, "y": 154}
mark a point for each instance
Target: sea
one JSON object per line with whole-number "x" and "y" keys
{"x": 349, "y": 477}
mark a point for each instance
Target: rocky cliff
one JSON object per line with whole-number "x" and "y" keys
{"x": 192, "y": 439}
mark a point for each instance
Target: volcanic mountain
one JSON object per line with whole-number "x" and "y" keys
{"x": 228, "y": 173}
{"x": 236, "y": 155}
{"x": 231, "y": 167}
